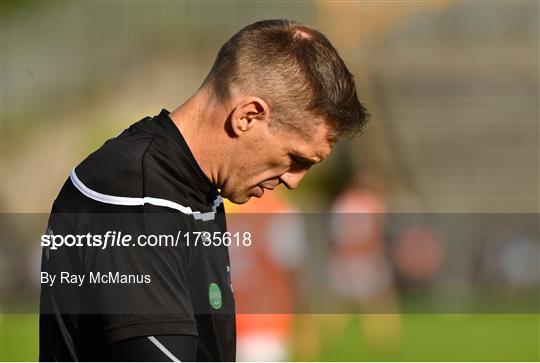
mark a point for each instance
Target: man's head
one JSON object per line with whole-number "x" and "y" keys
{"x": 263, "y": 156}
{"x": 286, "y": 97}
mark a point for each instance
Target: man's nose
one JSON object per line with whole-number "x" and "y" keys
{"x": 292, "y": 179}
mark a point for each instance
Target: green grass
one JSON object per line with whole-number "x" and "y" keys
{"x": 19, "y": 337}
{"x": 510, "y": 337}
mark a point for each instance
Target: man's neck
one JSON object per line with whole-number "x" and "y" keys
{"x": 194, "y": 122}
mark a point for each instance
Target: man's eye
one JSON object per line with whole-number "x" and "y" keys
{"x": 300, "y": 162}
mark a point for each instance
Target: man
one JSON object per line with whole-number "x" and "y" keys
{"x": 274, "y": 103}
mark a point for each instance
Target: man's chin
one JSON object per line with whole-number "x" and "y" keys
{"x": 240, "y": 201}
{"x": 243, "y": 197}
{"x": 237, "y": 199}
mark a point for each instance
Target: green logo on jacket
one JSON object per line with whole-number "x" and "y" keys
{"x": 214, "y": 296}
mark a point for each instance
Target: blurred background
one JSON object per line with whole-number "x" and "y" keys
{"x": 438, "y": 198}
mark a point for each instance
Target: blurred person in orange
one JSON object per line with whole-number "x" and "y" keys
{"x": 263, "y": 276}
{"x": 359, "y": 271}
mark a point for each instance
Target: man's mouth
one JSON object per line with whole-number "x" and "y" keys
{"x": 269, "y": 187}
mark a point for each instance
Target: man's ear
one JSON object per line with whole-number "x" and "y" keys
{"x": 248, "y": 112}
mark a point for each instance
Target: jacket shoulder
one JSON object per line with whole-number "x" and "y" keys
{"x": 116, "y": 167}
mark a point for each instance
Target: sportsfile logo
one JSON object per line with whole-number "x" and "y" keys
{"x": 122, "y": 239}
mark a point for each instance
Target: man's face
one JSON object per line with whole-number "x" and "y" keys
{"x": 266, "y": 158}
